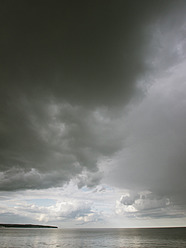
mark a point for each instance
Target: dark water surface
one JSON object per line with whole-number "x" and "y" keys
{"x": 116, "y": 237}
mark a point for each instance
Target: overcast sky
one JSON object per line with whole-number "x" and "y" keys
{"x": 93, "y": 113}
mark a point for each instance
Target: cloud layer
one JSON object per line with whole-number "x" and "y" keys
{"x": 95, "y": 92}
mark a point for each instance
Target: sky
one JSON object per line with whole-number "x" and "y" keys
{"x": 93, "y": 113}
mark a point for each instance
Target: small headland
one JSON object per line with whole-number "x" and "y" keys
{"x": 25, "y": 226}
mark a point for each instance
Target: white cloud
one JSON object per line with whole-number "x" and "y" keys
{"x": 69, "y": 209}
{"x": 145, "y": 205}
{"x": 67, "y": 206}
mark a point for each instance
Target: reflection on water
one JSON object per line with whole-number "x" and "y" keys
{"x": 124, "y": 238}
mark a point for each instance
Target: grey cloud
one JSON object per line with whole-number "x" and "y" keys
{"x": 88, "y": 179}
{"x": 154, "y": 156}
{"x": 61, "y": 142}
{"x": 147, "y": 205}
{"x": 20, "y": 179}
{"x": 86, "y": 52}
{"x": 129, "y": 200}
{"x": 67, "y": 71}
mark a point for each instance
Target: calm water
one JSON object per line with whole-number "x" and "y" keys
{"x": 36, "y": 238}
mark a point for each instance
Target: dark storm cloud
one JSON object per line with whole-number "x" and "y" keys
{"x": 87, "y": 52}
{"x": 53, "y": 143}
{"x": 66, "y": 68}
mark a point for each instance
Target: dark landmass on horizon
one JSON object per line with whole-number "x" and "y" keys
{"x": 25, "y": 226}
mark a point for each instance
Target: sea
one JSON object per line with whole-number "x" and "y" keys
{"x": 93, "y": 238}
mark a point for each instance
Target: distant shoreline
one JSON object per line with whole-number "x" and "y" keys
{"x": 25, "y": 226}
